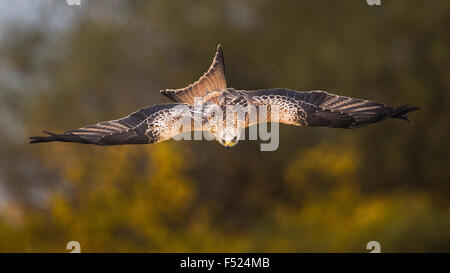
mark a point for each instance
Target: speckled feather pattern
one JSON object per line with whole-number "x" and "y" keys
{"x": 197, "y": 103}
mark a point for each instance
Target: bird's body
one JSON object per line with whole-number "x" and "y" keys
{"x": 208, "y": 105}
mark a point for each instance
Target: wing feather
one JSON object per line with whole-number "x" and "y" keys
{"x": 147, "y": 125}
{"x": 319, "y": 108}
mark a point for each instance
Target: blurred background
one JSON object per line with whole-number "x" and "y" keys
{"x": 323, "y": 190}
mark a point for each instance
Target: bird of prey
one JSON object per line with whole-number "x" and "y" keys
{"x": 197, "y": 101}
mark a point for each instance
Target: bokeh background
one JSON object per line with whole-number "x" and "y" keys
{"x": 323, "y": 190}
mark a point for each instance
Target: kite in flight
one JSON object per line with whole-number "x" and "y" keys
{"x": 161, "y": 122}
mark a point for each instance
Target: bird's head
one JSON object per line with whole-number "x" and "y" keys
{"x": 229, "y": 138}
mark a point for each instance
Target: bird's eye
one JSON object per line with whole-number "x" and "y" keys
{"x": 235, "y": 139}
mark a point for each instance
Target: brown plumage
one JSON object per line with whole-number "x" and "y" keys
{"x": 160, "y": 122}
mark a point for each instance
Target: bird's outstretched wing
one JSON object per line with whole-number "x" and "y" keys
{"x": 319, "y": 108}
{"x": 212, "y": 80}
{"x": 148, "y": 125}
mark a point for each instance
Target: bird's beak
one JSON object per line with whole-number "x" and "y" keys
{"x": 229, "y": 144}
